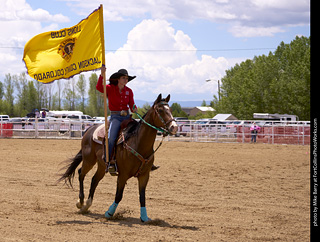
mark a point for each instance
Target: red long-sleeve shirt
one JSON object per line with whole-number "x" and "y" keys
{"x": 117, "y": 100}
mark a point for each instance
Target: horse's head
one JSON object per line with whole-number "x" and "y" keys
{"x": 163, "y": 115}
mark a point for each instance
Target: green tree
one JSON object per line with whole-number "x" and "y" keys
{"x": 1, "y": 96}
{"x": 8, "y": 103}
{"x": 277, "y": 83}
{"x": 294, "y": 79}
{"x": 177, "y": 110}
{"x": 55, "y": 102}
{"x": 70, "y": 95}
{"x": 142, "y": 111}
{"x": 32, "y": 95}
{"x": 49, "y": 92}
{"x": 81, "y": 88}
{"x": 21, "y": 84}
{"x": 95, "y": 98}
{"x": 40, "y": 94}
{"x": 1, "y": 90}
{"x": 58, "y": 94}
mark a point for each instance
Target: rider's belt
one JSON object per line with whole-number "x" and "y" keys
{"x": 122, "y": 112}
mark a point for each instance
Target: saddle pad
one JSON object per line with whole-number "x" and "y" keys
{"x": 99, "y": 134}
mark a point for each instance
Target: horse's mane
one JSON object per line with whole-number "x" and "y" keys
{"x": 144, "y": 115}
{"x": 133, "y": 127}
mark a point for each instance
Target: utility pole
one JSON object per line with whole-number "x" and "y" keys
{"x": 218, "y": 86}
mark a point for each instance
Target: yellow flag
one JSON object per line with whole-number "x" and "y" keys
{"x": 64, "y": 53}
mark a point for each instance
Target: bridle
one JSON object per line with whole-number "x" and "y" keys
{"x": 164, "y": 129}
{"x": 165, "y": 123}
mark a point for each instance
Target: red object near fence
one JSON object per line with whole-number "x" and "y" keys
{"x": 6, "y": 130}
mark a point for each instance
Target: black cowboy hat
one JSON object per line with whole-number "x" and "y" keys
{"x": 120, "y": 73}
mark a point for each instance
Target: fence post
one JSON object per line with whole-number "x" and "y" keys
{"x": 243, "y": 136}
{"x": 36, "y": 128}
{"x": 217, "y": 134}
{"x": 303, "y": 135}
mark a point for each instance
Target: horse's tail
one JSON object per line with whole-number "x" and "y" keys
{"x": 69, "y": 174}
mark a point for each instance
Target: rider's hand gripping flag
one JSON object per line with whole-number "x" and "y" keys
{"x": 64, "y": 53}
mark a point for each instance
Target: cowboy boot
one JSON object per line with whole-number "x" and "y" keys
{"x": 112, "y": 168}
{"x": 112, "y": 165}
{"x": 153, "y": 168}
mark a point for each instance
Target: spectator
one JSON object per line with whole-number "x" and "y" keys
{"x": 37, "y": 114}
{"x": 43, "y": 114}
{"x": 254, "y": 131}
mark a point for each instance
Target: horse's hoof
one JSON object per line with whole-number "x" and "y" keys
{"x": 145, "y": 221}
{"x": 84, "y": 209}
{"x": 79, "y": 205}
{"x": 108, "y": 215}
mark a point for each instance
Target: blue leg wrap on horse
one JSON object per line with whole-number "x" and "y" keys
{"x": 143, "y": 214}
{"x": 111, "y": 210}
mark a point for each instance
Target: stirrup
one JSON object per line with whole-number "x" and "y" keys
{"x": 112, "y": 169}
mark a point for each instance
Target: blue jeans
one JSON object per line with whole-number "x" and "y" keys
{"x": 253, "y": 138}
{"x": 115, "y": 122}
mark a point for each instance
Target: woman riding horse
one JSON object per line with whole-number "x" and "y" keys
{"x": 120, "y": 100}
{"x": 135, "y": 157}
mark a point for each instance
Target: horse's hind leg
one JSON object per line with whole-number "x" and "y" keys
{"x": 81, "y": 192}
{"x": 87, "y": 165}
{"x": 82, "y": 174}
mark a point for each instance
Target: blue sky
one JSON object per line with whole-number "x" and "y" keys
{"x": 181, "y": 43}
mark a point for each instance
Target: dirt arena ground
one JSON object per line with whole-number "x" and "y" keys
{"x": 202, "y": 192}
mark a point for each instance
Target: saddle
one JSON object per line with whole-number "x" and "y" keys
{"x": 127, "y": 129}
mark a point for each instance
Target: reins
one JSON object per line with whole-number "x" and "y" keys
{"x": 164, "y": 131}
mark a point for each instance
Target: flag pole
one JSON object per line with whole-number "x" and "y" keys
{"x": 104, "y": 85}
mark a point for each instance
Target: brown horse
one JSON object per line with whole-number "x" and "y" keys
{"x": 134, "y": 157}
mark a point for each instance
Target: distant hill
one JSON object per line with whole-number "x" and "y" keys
{"x": 183, "y": 104}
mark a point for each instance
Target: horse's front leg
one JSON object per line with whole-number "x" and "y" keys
{"x": 121, "y": 182}
{"x": 143, "y": 181}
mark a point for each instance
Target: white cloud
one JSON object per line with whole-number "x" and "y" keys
{"x": 246, "y": 31}
{"x": 40, "y": 15}
{"x": 19, "y": 10}
{"x": 19, "y": 22}
{"x": 154, "y": 42}
{"x": 283, "y": 4}
{"x": 266, "y": 16}
{"x": 176, "y": 70}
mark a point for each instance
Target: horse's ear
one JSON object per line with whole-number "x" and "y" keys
{"x": 158, "y": 98}
{"x": 167, "y": 98}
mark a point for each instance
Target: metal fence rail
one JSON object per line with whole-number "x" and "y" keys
{"x": 239, "y": 131}
{"x": 49, "y": 129}
{"x": 270, "y": 133}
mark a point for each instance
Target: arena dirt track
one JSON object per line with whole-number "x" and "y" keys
{"x": 202, "y": 192}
